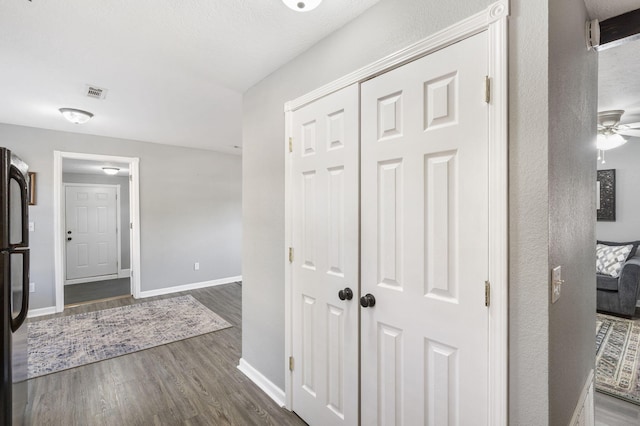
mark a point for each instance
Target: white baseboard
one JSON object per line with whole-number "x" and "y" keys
{"x": 41, "y": 311}
{"x": 262, "y": 382}
{"x": 584, "y": 414}
{"x": 186, "y": 287}
{"x": 124, "y": 273}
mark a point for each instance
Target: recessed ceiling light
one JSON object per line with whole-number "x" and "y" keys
{"x": 111, "y": 170}
{"x": 76, "y": 116}
{"x": 302, "y": 5}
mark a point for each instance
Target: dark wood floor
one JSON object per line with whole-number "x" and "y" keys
{"x": 86, "y": 292}
{"x": 190, "y": 382}
{"x": 612, "y": 411}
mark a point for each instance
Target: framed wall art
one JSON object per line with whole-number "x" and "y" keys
{"x": 606, "y": 193}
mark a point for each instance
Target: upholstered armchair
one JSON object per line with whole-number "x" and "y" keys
{"x": 618, "y": 295}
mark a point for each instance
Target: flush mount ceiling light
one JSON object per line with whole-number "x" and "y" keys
{"x": 111, "y": 170}
{"x": 76, "y": 116}
{"x": 302, "y": 5}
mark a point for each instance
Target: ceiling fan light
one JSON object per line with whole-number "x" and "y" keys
{"x": 608, "y": 141}
{"x": 111, "y": 170}
{"x": 302, "y": 5}
{"x": 76, "y": 116}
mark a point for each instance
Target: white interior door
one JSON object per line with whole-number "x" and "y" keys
{"x": 425, "y": 240}
{"x": 91, "y": 231}
{"x": 325, "y": 202}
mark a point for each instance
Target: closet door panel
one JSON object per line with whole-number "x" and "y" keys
{"x": 325, "y": 238}
{"x": 424, "y": 249}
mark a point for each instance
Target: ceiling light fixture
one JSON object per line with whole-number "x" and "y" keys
{"x": 302, "y": 5}
{"x": 609, "y": 140}
{"x": 111, "y": 170}
{"x": 76, "y": 116}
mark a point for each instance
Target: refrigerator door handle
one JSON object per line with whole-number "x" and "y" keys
{"x": 24, "y": 306}
{"x": 24, "y": 205}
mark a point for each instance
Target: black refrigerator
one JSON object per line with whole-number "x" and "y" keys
{"x": 14, "y": 286}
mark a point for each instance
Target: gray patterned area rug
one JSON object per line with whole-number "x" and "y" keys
{"x": 618, "y": 357}
{"x": 65, "y": 342}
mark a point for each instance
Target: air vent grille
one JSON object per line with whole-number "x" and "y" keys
{"x": 96, "y": 92}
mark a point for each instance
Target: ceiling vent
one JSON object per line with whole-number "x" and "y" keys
{"x": 96, "y": 92}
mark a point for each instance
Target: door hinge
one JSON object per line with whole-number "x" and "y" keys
{"x": 487, "y": 293}
{"x": 130, "y": 178}
{"x": 290, "y": 254}
{"x": 290, "y": 363}
{"x": 131, "y": 225}
{"x": 290, "y": 144}
{"x": 487, "y": 89}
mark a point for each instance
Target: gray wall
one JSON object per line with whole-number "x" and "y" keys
{"x": 533, "y": 84}
{"x": 123, "y": 181}
{"x": 528, "y": 213}
{"x": 190, "y": 207}
{"x": 626, "y": 161}
{"x": 573, "y": 91}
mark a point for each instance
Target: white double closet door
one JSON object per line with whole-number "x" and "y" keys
{"x": 390, "y": 199}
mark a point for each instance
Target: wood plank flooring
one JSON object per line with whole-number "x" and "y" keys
{"x": 612, "y": 411}
{"x": 190, "y": 382}
{"x": 86, "y": 292}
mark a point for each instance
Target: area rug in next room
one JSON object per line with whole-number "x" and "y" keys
{"x": 65, "y": 342}
{"x": 617, "y": 357}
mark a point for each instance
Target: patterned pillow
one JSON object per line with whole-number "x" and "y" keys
{"x": 609, "y": 259}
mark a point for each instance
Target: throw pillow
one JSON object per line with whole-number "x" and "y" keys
{"x": 633, "y": 243}
{"x": 609, "y": 259}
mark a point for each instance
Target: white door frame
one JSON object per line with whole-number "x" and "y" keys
{"x": 58, "y": 217}
{"x": 493, "y": 20}
{"x": 118, "y": 274}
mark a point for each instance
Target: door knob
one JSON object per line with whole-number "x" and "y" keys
{"x": 345, "y": 294}
{"x": 367, "y": 301}
{"x": 69, "y": 239}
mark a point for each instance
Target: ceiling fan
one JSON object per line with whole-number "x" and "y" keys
{"x": 611, "y": 132}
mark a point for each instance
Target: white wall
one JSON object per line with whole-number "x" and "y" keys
{"x": 123, "y": 181}
{"x": 626, "y": 161}
{"x": 534, "y": 83}
{"x": 190, "y": 207}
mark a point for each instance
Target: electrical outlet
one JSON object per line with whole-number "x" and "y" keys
{"x": 196, "y": 266}
{"x": 556, "y": 283}
{"x": 32, "y": 226}
{"x": 32, "y": 287}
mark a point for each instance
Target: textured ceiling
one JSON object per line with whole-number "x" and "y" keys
{"x": 618, "y": 67}
{"x": 175, "y": 70}
{"x": 605, "y": 9}
{"x": 619, "y": 80}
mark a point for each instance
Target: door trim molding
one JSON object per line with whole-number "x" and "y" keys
{"x": 58, "y": 218}
{"x": 493, "y": 20}
{"x": 118, "y": 234}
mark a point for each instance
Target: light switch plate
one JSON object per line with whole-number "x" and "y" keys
{"x": 32, "y": 226}
{"x": 556, "y": 283}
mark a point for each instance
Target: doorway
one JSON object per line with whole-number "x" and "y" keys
{"x": 96, "y": 202}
